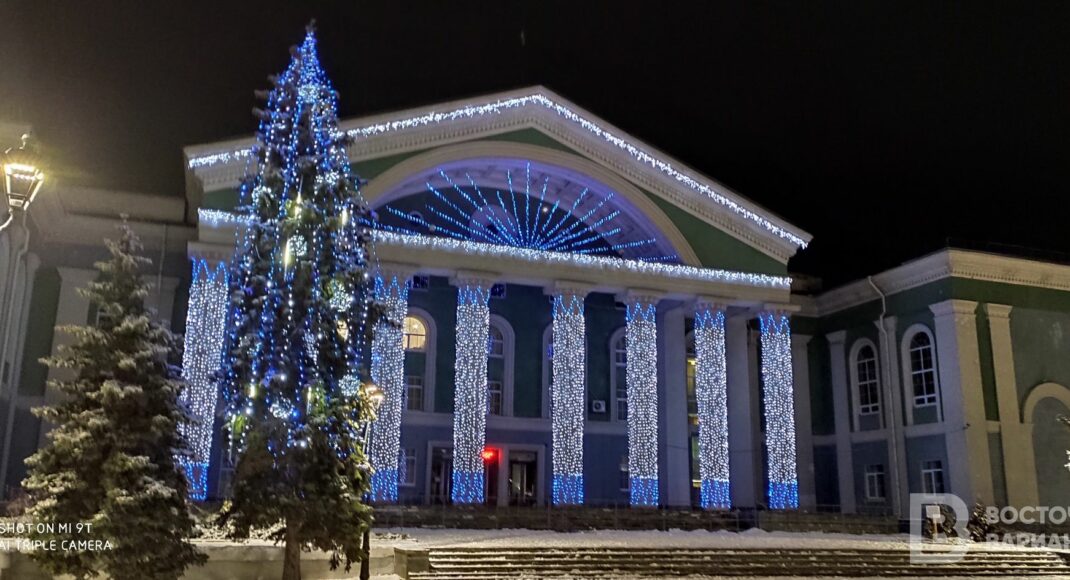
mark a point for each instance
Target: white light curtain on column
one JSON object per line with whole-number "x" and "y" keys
{"x": 568, "y": 396}
{"x": 206, "y": 321}
{"x": 388, "y": 372}
{"x": 642, "y": 379}
{"x": 470, "y": 391}
{"x": 778, "y": 397}
{"x": 711, "y": 393}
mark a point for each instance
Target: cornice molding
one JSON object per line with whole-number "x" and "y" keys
{"x": 950, "y": 263}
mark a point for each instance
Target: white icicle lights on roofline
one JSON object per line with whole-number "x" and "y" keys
{"x": 711, "y": 393}
{"x": 388, "y": 372}
{"x": 538, "y": 99}
{"x": 205, "y": 324}
{"x": 778, "y": 398}
{"x": 642, "y": 380}
{"x": 568, "y": 397}
{"x": 470, "y": 391}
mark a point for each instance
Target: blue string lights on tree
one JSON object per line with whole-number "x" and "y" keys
{"x": 522, "y": 216}
{"x": 299, "y": 305}
{"x": 778, "y": 398}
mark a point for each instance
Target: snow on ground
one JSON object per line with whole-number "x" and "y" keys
{"x": 752, "y": 538}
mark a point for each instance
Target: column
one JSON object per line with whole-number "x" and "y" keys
{"x": 742, "y": 448}
{"x": 642, "y": 378}
{"x": 958, "y": 363}
{"x": 388, "y": 372}
{"x": 800, "y": 359}
{"x": 1019, "y": 466}
{"x": 711, "y": 393}
{"x": 779, "y": 401}
{"x": 470, "y": 389}
{"x": 568, "y": 394}
{"x": 205, "y": 326}
{"x": 841, "y": 406}
{"x": 17, "y": 332}
{"x": 892, "y": 396}
{"x": 674, "y": 427}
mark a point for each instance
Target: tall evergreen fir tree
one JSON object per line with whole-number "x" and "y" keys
{"x": 292, "y": 372}
{"x": 110, "y": 461}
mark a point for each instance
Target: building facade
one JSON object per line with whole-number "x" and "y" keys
{"x": 588, "y": 321}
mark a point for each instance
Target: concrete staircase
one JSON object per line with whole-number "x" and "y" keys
{"x": 594, "y": 562}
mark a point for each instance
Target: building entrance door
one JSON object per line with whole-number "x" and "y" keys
{"x": 441, "y": 475}
{"x": 523, "y": 481}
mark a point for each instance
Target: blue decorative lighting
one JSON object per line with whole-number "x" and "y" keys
{"x": 470, "y": 391}
{"x": 388, "y": 372}
{"x": 568, "y": 396}
{"x": 522, "y": 218}
{"x": 711, "y": 393}
{"x": 779, "y": 403}
{"x": 205, "y": 326}
{"x": 282, "y": 326}
{"x": 642, "y": 379}
{"x": 497, "y": 107}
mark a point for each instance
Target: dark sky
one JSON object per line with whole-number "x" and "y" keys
{"x": 882, "y": 128}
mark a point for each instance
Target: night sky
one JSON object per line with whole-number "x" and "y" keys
{"x": 882, "y": 128}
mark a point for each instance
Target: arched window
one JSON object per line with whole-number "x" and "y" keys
{"x": 547, "y": 369}
{"x": 415, "y": 334}
{"x": 865, "y": 378}
{"x": 692, "y": 398}
{"x": 418, "y": 339}
{"x": 618, "y": 353}
{"x": 499, "y": 367}
{"x": 922, "y": 360}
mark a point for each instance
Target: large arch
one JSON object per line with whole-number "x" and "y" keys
{"x": 1043, "y": 407}
{"x": 410, "y": 176}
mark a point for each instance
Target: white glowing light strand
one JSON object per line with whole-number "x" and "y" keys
{"x": 568, "y": 392}
{"x": 205, "y": 325}
{"x": 216, "y": 218}
{"x": 604, "y": 263}
{"x": 470, "y": 392}
{"x": 388, "y": 372}
{"x": 642, "y": 380}
{"x": 538, "y": 99}
{"x": 778, "y": 398}
{"x": 711, "y": 392}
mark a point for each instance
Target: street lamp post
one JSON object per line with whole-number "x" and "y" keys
{"x": 375, "y": 396}
{"x": 22, "y": 179}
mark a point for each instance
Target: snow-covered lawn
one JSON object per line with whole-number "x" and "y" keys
{"x": 753, "y": 538}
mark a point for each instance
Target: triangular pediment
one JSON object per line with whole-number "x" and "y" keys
{"x": 536, "y": 117}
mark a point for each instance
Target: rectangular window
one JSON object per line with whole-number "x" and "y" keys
{"x": 625, "y": 476}
{"x": 875, "y": 482}
{"x": 494, "y": 397}
{"x": 407, "y": 467}
{"x": 414, "y": 393}
{"x": 497, "y": 291}
{"x": 420, "y": 282}
{"x": 932, "y": 477}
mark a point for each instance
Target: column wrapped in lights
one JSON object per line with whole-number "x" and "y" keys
{"x": 470, "y": 390}
{"x": 642, "y": 379}
{"x": 778, "y": 398}
{"x": 388, "y": 372}
{"x": 711, "y": 392}
{"x": 567, "y": 393}
{"x": 205, "y": 324}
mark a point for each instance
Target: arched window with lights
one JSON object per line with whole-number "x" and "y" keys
{"x": 499, "y": 367}
{"x": 921, "y": 377}
{"x": 419, "y": 344}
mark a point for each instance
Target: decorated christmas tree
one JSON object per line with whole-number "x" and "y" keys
{"x": 109, "y": 474}
{"x": 292, "y": 369}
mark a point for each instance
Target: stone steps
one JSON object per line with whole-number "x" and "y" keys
{"x": 595, "y": 562}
